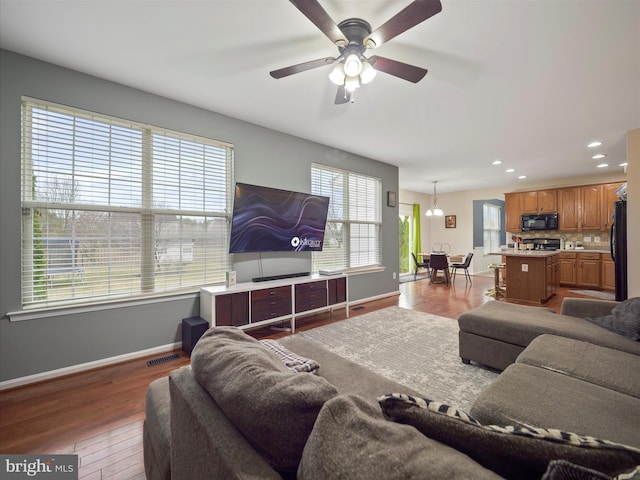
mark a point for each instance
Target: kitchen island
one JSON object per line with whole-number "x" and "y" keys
{"x": 532, "y": 275}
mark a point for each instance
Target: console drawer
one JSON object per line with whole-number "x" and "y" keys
{"x": 309, "y": 299}
{"x": 270, "y": 303}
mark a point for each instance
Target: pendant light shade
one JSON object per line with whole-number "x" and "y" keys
{"x": 435, "y": 210}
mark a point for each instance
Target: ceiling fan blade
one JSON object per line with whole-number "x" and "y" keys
{"x": 398, "y": 69}
{"x": 342, "y": 96}
{"x": 413, "y": 14}
{"x": 301, "y": 67}
{"x": 321, "y": 19}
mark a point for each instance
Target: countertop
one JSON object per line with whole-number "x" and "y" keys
{"x": 512, "y": 252}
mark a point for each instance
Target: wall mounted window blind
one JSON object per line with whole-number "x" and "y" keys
{"x": 116, "y": 209}
{"x": 354, "y": 224}
{"x": 491, "y": 227}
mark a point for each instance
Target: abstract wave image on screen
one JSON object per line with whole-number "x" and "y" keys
{"x": 273, "y": 220}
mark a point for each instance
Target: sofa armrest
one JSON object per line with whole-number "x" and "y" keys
{"x": 204, "y": 442}
{"x": 586, "y": 307}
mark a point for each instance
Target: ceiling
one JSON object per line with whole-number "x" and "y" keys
{"x": 526, "y": 82}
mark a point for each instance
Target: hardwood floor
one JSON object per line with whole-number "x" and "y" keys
{"x": 98, "y": 414}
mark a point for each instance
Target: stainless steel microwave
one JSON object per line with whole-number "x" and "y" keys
{"x": 547, "y": 221}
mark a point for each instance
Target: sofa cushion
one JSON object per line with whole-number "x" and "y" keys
{"x": 273, "y": 407}
{"x": 623, "y": 320}
{"x": 292, "y": 361}
{"x": 607, "y": 367}
{"x": 515, "y": 452}
{"x": 520, "y": 324}
{"x": 352, "y": 440}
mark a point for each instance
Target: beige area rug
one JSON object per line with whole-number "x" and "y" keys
{"x": 413, "y": 348}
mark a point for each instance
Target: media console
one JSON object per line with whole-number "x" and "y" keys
{"x": 250, "y": 305}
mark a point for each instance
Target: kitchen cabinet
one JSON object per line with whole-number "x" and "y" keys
{"x": 553, "y": 275}
{"x": 608, "y": 273}
{"x": 579, "y": 208}
{"x": 513, "y": 212}
{"x": 532, "y": 276}
{"x": 568, "y": 274}
{"x": 540, "y": 201}
{"x": 609, "y": 198}
{"x": 588, "y": 268}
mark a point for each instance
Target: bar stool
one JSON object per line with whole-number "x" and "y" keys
{"x": 497, "y": 291}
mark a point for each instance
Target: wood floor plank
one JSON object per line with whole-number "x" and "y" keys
{"x": 98, "y": 414}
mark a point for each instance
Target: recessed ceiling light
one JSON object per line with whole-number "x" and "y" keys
{"x": 522, "y": 177}
{"x": 496, "y": 162}
{"x": 598, "y": 156}
{"x": 603, "y": 165}
{"x": 510, "y": 170}
{"x": 623, "y": 164}
{"x": 594, "y": 144}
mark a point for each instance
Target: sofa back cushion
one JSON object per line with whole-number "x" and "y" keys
{"x": 513, "y": 451}
{"x": 273, "y": 407}
{"x": 352, "y": 440}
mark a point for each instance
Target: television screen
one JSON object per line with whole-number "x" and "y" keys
{"x": 272, "y": 220}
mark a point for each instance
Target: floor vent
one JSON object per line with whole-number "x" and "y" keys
{"x": 158, "y": 361}
{"x": 358, "y": 308}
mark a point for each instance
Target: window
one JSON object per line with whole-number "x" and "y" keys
{"x": 354, "y": 222}
{"x": 116, "y": 209}
{"x": 491, "y": 227}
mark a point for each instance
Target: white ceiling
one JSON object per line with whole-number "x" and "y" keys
{"x": 528, "y": 82}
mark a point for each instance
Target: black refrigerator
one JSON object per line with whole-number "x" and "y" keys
{"x": 619, "y": 249}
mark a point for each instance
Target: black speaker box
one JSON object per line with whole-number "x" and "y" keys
{"x": 192, "y": 329}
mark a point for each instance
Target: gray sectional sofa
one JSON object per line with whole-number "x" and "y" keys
{"x": 243, "y": 410}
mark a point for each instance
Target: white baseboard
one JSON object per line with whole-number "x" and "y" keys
{"x": 376, "y": 297}
{"x": 39, "y": 377}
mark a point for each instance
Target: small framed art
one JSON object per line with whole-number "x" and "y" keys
{"x": 450, "y": 221}
{"x": 391, "y": 199}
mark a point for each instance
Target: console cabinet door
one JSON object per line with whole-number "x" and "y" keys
{"x": 232, "y": 309}
{"x": 337, "y": 290}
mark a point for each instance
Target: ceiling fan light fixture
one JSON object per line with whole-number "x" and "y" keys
{"x": 352, "y": 65}
{"x": 368, "y": 73}
{"x": 337, "y": 75}
{"x": 351, "y": 83}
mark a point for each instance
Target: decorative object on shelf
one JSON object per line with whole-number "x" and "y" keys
{"x": 435, "y": 210}
{"x": 450, "y": 221}
{"x": 391, "y": 199}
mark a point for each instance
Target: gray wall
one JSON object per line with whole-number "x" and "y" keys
{"x": 262, "y": 156}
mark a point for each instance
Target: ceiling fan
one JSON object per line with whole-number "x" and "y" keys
{"x": 352, "y": 37}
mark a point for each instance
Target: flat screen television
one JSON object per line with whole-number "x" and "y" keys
{"x": 272, "y": 220}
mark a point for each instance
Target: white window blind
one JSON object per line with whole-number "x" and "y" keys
{"x": 354, "y": 222}
{"x": 117, "y": 209}
{"x": 491, "y": 227}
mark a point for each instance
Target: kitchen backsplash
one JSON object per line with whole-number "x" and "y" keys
{"x": 595, "y": 239}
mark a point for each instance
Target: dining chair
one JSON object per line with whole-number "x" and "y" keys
{"x": 438, "y": 261}
{"x": 462, "y": 266}
{"x": 419, "y": 265}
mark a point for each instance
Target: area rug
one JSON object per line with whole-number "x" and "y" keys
{"x": 596, "y": 294}
{"x": 412, "y": 348}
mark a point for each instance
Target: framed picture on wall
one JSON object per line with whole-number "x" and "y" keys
{"x": 450, "y": 221}
{"x": 391, "y": 199}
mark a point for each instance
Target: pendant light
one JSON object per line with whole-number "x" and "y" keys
{"x": 435, "y": 210}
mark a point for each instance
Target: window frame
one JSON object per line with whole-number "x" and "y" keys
{"x": 221, "y": 160}
{"x": 349, "y": 215}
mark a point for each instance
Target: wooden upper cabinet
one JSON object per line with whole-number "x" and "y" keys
{"x": 609, "y": 198}
{"x": 513, "y": 212}
{"x": 541, "y": 201}
{"x": 568, "y": 208}
{"x": 591, "y": 207}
